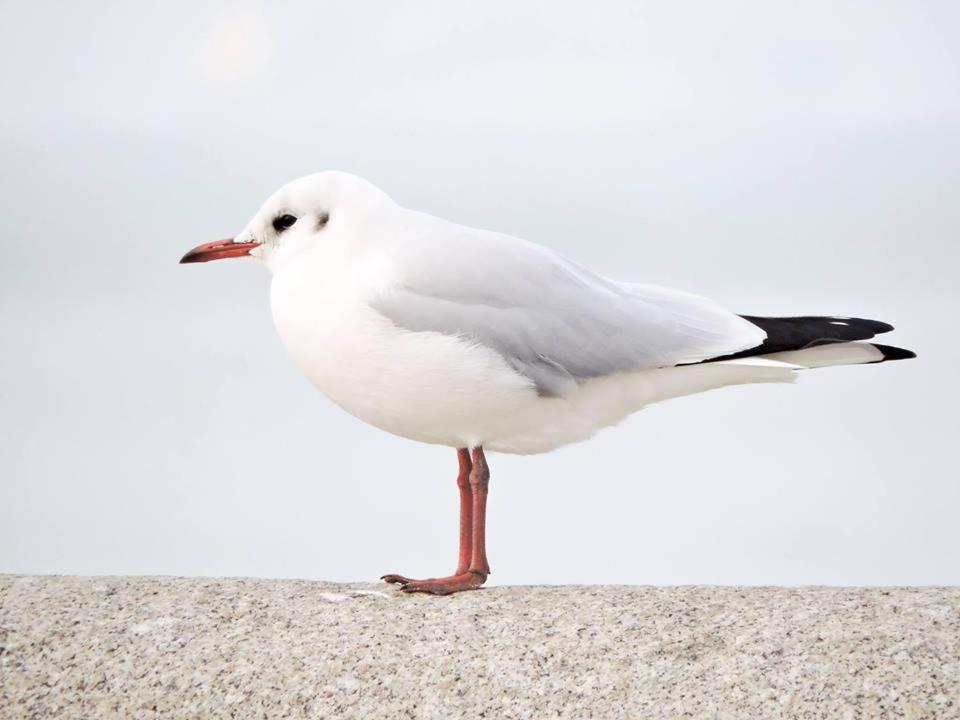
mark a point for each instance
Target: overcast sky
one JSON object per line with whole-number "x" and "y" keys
{"x": 782, "y": 158}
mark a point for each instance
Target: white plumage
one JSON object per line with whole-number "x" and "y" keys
{"x": 462, "y": 337}
{"x": 477, "y": 340}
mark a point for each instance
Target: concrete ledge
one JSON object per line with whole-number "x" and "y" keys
{"x": 75, "y": 647}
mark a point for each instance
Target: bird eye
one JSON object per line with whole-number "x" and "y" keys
{"x": 282, "y": 222}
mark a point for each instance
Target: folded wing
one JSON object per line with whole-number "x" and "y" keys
{"x": 552, "y": 320}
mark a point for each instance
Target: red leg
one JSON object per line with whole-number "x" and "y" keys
{"x": 472, "y": 568}
{"x": 479, "y": 480}
{"x": 466, "y": 511}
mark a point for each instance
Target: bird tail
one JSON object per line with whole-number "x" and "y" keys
{"x": 830, "y": 354}
{"x": 779, "y": 367}
{"x": 792, "y": 344}
{"x": 810, "y": 342}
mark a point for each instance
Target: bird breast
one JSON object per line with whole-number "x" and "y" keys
{"x": 425, "y": 386}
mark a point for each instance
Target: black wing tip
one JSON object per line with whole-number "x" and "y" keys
{"x": 894, "y": 353}
{"x": 803, "y": 331}
{"x": 877, "y": 327}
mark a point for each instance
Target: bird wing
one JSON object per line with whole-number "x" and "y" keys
{"x": 555, "y": 322}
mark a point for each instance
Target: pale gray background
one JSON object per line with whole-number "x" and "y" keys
{"x": 779, "y": 157}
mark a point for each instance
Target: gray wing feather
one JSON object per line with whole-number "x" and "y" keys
{"x": 551, "y": 320}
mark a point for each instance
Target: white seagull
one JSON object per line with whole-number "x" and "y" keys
{"x": 476, "y": 340}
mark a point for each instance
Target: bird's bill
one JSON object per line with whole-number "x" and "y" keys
{"x": 218, "y": 250}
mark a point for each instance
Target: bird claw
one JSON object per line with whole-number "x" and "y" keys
{"x": 439, "y": 586}
{"x": 396, "y": 579}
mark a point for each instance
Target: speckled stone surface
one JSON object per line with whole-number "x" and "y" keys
{"x": 235, "y": 648}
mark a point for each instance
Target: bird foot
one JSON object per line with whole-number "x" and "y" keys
{"x": 439, "y": 586}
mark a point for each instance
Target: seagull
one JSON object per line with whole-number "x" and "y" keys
{"x": 480, "y": 341}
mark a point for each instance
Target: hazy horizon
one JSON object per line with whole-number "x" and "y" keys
{"x": 780, "y": 159}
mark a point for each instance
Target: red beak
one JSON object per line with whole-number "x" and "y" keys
{"x": 217, "y": 250}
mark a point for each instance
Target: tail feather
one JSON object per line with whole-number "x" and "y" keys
{"x": 789, "y": 335}
{"x": 894, "y": 353}
{"x": 834, "y": 354}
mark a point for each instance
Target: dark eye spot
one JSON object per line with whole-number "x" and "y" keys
{"x": 282, "y": 222}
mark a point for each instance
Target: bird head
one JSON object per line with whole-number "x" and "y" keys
{"x": 308, "y": 215}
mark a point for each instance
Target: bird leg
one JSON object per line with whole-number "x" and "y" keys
{"x": 472, "y": 568}
{"x": 479, "y": 480}
{"x": 466, "y": 511}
